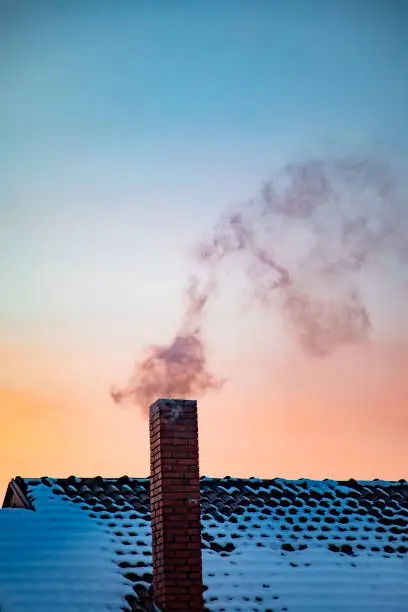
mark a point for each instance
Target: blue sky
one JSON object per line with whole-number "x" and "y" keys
{"x": 136, "y": 83}
{"x": 183, "y": 107}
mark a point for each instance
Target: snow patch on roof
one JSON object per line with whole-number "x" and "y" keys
{"x": 300, "y": 546}
{"x": 56, "y": 559}
{"x": 255, "y": 578}
{"x": 268, "y": 559}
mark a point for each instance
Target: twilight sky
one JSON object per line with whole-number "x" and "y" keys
{"x": 127, "y": 129}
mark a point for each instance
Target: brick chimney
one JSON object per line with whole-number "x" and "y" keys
{"x": 175, "y": 506}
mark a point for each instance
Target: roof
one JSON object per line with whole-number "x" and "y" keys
{"x": 276, "y": 544}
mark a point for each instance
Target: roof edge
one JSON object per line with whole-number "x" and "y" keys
{"x": 15, "y": 497}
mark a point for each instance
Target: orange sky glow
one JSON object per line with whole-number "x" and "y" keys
{"x": 343, "y": 417}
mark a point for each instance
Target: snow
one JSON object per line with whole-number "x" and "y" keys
{"x": 255, "y": 579}
{"x": 267, "y": 545}
{"x": 272, "y": 568}
{"x": 56, "y": 559}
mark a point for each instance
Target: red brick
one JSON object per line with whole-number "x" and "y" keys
{"x": 176, "y": 529}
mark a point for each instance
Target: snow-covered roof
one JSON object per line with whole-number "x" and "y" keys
{"x": 56, "y": 560}
{"x": 300, "y": 546}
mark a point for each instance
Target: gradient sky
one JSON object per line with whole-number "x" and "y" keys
{"x": 126, "y": 130}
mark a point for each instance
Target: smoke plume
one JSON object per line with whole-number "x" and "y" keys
{"x": 305, "y": 239}
{"x": 178, "y": 369}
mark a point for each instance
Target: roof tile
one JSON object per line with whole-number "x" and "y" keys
{"x": 267, "y": 544}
